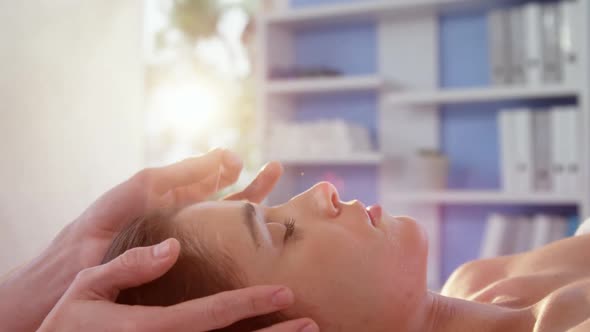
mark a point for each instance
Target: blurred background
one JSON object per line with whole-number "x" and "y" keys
{"x": 468, "y": 115}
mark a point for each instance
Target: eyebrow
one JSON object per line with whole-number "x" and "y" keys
{"x": 251, "y": 223}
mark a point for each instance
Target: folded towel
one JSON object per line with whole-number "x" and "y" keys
{"x": 584, "y": 228}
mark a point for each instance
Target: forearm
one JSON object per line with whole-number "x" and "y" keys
{"x": 30, "y": 292}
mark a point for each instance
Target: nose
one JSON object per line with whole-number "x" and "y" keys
{"x": 325, "y": 197}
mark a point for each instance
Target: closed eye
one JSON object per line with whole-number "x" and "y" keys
{"x": 290, "y": 225}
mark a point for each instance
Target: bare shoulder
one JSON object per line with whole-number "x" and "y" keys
{"x": 567, "y": 258}
{"x": 566, "y": 309}
{"x": 475, "y": 275}
{"x": 583, "y": 327}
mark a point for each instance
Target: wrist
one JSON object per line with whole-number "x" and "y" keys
{"x": 28, "y": 294}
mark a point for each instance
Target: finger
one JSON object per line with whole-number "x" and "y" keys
{"x": 299, "y": 325}
{"x": 220, "y": 310}
{"x": 194, "y": 170}
{"x": 202, "y": 190}
{"x": 133, "y": 268}
{"x": 262, "y": 185}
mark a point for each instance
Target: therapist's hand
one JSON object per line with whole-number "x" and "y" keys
{"x": 88, "y": 303}
{"x": 177, "y": 185}
{"x": 31, "y": 292}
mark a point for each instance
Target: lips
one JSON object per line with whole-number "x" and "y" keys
{"x": 374, "y": 212}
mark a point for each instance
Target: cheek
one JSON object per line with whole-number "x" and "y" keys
{"x": 338, "y": 281}
{"x": 351, "y": 280}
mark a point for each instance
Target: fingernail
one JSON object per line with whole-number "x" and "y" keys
{"x": 311, "y": 327}
{"x": 231, "y": 159}
{"x": 282, "y": 297}
{"x": 162, "y": 250}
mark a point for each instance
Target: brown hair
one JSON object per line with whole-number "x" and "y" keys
{"x": 196, "y": 273}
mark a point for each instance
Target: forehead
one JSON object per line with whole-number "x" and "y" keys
{"x": 212, "y": 216}
{"x": 218, "y": 225}
{"x": 213, "y": 207}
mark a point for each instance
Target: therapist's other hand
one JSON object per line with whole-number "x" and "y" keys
{"x": 180, "y": 184}
{"x": 88, "y": 303}
{"x": 31, "y": 292}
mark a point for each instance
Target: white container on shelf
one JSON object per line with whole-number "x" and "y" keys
{"x": 428, "y": 171}
{"x": 319, "y": 139}
{"x": 271, "y": 6}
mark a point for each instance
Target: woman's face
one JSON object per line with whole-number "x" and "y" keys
{"x": 348, "y": 272}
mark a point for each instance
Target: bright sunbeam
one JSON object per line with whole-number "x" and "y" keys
{"x": 187, "y": 110}
{"x": 196, "y": 84}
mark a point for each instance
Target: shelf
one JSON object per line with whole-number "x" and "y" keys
{"x": 367, "y": 10}
{"x": 455, "y": 96}
{"x": 352, "y": 160}
{"x": 482, "y": 197}
{"x": 324, "y": 85}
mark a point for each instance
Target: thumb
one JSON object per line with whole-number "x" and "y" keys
{"x": 133, "y": 268}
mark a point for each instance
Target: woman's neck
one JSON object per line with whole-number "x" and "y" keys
{"x": 446, "y": 314}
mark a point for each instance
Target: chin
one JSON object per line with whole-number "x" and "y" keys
{"x": 409, "y": 245}
{"x": 407, "y": 231}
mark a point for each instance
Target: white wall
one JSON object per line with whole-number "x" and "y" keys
{"x": 71, "y": 98}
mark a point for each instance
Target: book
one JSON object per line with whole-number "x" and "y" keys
{"x": 541, "y": 143}
{"x": 517, "y": 56}
{"x": 531, "y": 14}
{"x": 498, "y": 237}
{"x": 522, "y": 237}
{"x": 573, "y": 222}
{"x": 559, "y": 228}
{"x": 571, "y": 149}
{"x": 558, "y": 152}
{"x": 499, "y": 36}
{"x": 569, "y": 12}
{"x": 542, "y": 228}
{"x": 507, "y": 160}
{"x": 523, "y": 166}
{"x": 551, "y": 60}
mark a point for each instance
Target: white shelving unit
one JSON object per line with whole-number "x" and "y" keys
{"x": 473, "y": 95}
{"x": 482, "y": 198}
{"x": 408, "y": 117}
{"x": 324, "y": 85}
{"x": 366, "y": 10}
{"x": 355, "y": 159}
